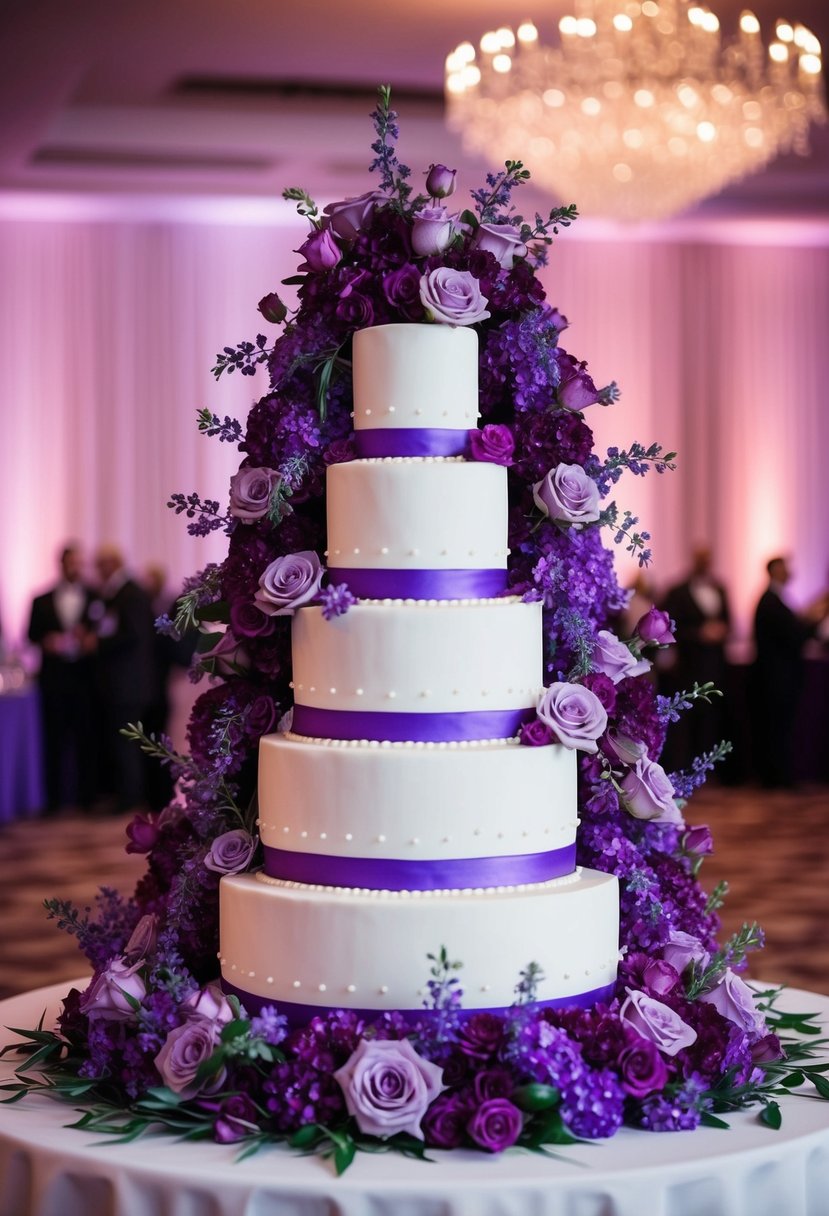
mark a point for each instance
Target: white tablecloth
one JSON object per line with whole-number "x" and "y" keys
{"x": 750, "y": 1170}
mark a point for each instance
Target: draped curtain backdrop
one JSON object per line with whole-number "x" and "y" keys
{"x": 111, "y": 314}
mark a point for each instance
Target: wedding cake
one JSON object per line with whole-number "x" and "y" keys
{"x": 400, "y": 813}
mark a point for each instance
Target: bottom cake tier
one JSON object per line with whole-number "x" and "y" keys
{"x": 308, "y": 949}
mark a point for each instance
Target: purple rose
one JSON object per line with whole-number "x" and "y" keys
{"x": 481, "y": 1035}
{"x": 501, "y": 240}
{"x": 641, "y": 1067}
{"x": 623, "y": 748}
{"x": 496, "y": 1125}
{"x": 444, "y": 1124}
{"x": 766, "y": 1050}
{"x": 576, "y": 390}
{"x": 113, "y": 992}
{"x": 492, "y": 1083}
{"x": 698, "y": 841}
{"x": 575, "y": 715}
{"x": 261, "y": 717}
{"x": 733, "y": 998}
{"x": 231, "y": 852}
{"x": 236, "y": 1118}
{"x": 142, "y": 939}
{"x": 320, "y": 250}
{"x": 648, "y": 793}
{"x": 272, "y": 308}
{"x": 432, "y": 231}
{"x": 340, "y": 451}
{"x": 227, "y": 658}
{"x": 569, "y": 495}
{"x": 210, "y": 1004}
{"x": 557, "y": 319}
{"x": 401, "y": 288}
{"x": 615, "y": 659}
{"x": 603, "y": 687}
{"x": 440, "y": 181}
{"x": 535, "y": 734}
{"x": 659, "y": 977}
{"x": 250, "y": 493}
{"x": 143, "y": 833}
{"x": 682, "y": 949}
{"x": 655, "y": 628}
{"x": 354, "y": 309}
{"x": 249, "y": 621}
{"x": 655, "y": 1021}
{"x": 388, "y": 1086}
{"x": 288, "y": 583}
{"x": 184, "y": 1051}
{"x": 494, "y": 443}
{"x": 349, "y": 217}
{"x": 452, "y": 297}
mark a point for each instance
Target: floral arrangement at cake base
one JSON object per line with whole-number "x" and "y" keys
{"x": 153, "y": 1042}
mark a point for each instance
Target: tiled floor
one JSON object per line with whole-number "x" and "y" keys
{"x": 773, "y": 848}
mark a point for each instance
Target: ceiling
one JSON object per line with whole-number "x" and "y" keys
{"x": 244, "y": 97}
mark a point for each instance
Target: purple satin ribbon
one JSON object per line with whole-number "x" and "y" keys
{"x": 395, "y": 874}
{"x": 411, "y": 441}
{"x": 299, "y": 1015}
{"x": 420, "y": 584}
{"x": 408, "y": 728}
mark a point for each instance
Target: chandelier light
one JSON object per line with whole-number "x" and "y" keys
{"x": 642, "y": 109}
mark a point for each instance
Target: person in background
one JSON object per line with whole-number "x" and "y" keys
{"x": 125, "y": 667}
{"x": 779, "y": 635}
{"x": 60, "y": 626}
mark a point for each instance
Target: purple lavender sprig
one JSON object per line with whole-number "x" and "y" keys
{"x": 526, "y": 990}
{"x": 637, "y": 459}
{"x": 244, "y": 357}
{"x": 731, "y": 955}
{"x": 393, "y": 174}
{"x": 205, "y": 514}
{"x": 624, "y": 531}
{"x": 493, "y": 202}
{"x": 688, "y": 780}
{"x": 228, "y": 430}
{"x": 669, "y": 709}
{"x": 197, "y": 592}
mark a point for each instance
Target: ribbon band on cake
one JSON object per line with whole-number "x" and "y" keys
{"x": 465, "y": 726}
{"x": 382, "y": 442}
{"x": 377, "y": 584}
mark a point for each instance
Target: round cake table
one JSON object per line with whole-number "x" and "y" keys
{"x": 47, "y": 1169}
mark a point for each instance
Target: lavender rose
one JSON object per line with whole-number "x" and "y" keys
{"x": 288, "y": 583}
{"x": 535, "y": 734}
{"x": 320, "y": 250}
{"x": 388, "y": 1086}
{"x": 250, "y": 493}
{"x": 574, "y": 714}
{"x": 501, "y": 240}
{"x": 682, "y": 949}
{"x": 432, "y": 231}
{"x": 657, "y": 1022}
{"x": 227, "y": 658}
{"x": 444, "y": 1124}
{"x": 641, "y": 1067}
{"x": 568, "y": 495}
{"x": 494, "y": 443}
{"x": 615, "y": 659}
{"x": 351, "y": 216}
{"x": 576, "y": 390}
{"x": 231, "y": 852}
{"x": 624, "y": 749}
{"x": 648, "y": 793}
{"x": 184, "y": 1051}
{"x": 452, "y": 297}
{"x": 113, "y": 992}
{"x": 496, "y": 1125}
{"x": 440, "y": 181}
{"x": 698, "y": 841}
{"x": 733, "y": 998}
{"x": 143, "y": 938}
{"x": 211, "y": 1005}
{"x": 655, "y": 627}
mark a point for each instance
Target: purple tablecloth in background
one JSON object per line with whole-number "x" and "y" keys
{"x": 21, "y": 764}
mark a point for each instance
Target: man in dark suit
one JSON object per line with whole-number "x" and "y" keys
{"x": 124, "y": 657}
{"x": 60, "y": 626}
{"x": 779, "y": 635}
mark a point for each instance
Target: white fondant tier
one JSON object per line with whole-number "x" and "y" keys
{"x": 340, "y": 948}
{"x": 403, "y": 514}
{"x": 419, "y": 658}
{"x": 415, "y": 801}
{"x": 415, "y": 376}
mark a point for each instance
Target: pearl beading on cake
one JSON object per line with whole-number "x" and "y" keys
{"x": 412, "y": 459}
{"x": 494, "y": 554}
{"x": 454, "y": 745}
{"x": 567, "y": 828}
{"x": 484, "y": 602}
{"x": 443, "y": 893}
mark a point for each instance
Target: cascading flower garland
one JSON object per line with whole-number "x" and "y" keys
{"x": 152, "y": 1041}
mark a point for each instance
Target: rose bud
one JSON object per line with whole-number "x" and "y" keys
{"x": 654, "y": 628}
{"x": 272, "y": 308}
{"x": 320, "y": 251}
{"x": 440, "y": 181}
{"x": 698, "y": 840}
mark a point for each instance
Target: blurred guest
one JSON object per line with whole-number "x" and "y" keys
{"x": 779, "y": 634}
{"x": 60, "y": 626}
{"x": 125, "y": 667}
{"x": 700, "y": 611}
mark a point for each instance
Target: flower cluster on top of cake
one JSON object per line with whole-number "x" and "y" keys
{"x": 152, "y": 1041}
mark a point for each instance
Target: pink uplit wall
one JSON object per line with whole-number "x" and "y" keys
{"x": 111, "y": 313}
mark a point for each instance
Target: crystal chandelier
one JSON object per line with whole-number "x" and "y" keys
{"x": 642, "y": 108}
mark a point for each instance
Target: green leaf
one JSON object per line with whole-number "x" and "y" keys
{"x": 234, "y": 1030}
{"x": 536, "y": 1097}
{"x": 307, "y": 1136}
{"x": 295, "y": 280}
{"x": 470, "y": 218}
{"x": 219, "y": 610}
{"x": 820, "y": 1084}
{"x": 792, "y": 1080}
{"x": 344, "y": 1154}
{"x": 771, "y": 1116}
{"x": 709, "y": 1120}
{"x": 550, "y": 1129}
{"x": 326, "y": 370}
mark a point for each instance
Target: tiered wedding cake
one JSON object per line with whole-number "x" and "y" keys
{"x": 400, "y": 814}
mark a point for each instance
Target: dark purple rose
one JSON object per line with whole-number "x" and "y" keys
{"x": 113, "y": 992}
{"x": 501, "y": 240}
{"x": 440, "y": 181}
{"x": 698, "y": 840}
{"x": 535, "y": 734}
{"x": 388, "y": 1086}
{"x": 615, "y": 659}
{"x": 493, "y": 443}
{"x": 184, "y": 1051}
{"x": 288, "y": 583}
{"x": 340, "y": 451}
{"x": 603, "y": 687}
{"x": 733, "y": 998}
{"x": 143, "y": 939}
{"x": 641, "y": 1067}
{"x": 648, "y": 794}
{"x": 250, "y": 493}
{"x": 143, "y": 833}
{"x": 401, "y": 288}
{"x": 493, "y": 1083}
{"x": 452, "y": 297}
{"x": 655, "y": 627}
{"x": 576, "y": 390}
{"x": 352, "y": 215}
{"x": 272, "y": 308}
{"x": 657, "y": 1022}
{"x": 432, "y": 231}
{"x": 231, "y": 852}
{"x": 575, "y": 715}
{"x": 766, "y": 1050}
{"x": 444, "y": 1124}
{"x": 236, "y": 1118}
{"x": 320, "y": 250}
{"x": 354, "y": 309}
{"x": 249, "y": 621}
{"x": 481, "y": 1035}
{"x": 496, "y": 1125}
{"x": 261, "y": 716}
{"x": 568, "y": 495}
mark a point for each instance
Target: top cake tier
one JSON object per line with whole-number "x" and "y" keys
{"x": 415, "y": 390}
